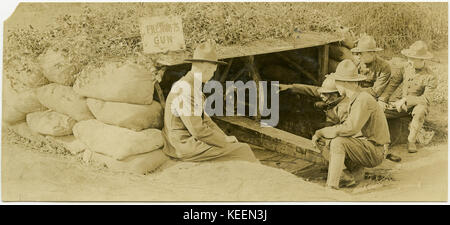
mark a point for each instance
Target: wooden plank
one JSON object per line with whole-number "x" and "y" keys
{"x": 298, "y": 67}
{"x": 224, "y": 75}
{"x": 306, "y": 40}
{"x": 256, "y": 77}
{"x": 273, "y": 139}
{"x": 158, "y": 88}
{"x": 160, "y": 93}
{"x": 323, "y": 62}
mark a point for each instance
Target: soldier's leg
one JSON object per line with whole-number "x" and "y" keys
{"x": 419, "y": 113}
{"x": 336, "y": 163}
{"x": 359, "y": 153}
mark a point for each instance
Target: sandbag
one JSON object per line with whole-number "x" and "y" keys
{"x": 141, "y": 164}
{"x": 332, "y": 65}
{"x": 27, "y": 102}
{"x": 69, "y": 142}
{"x": 64, "y": 100}
{"x": 25, "y": 73}
{"x": 129, "y": 83}
{"x": 340, "y": 53}
{"x": 131, "y": 116}
{"x": 349, "y": 37}
{"x": 50, "y": 123}
{"x": 116, "y": 142}
{"x": 57, "y": 68}
{"x": 10, "y": 114}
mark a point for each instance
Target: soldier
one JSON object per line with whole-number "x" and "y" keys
{"x": 376, "y": 69}
{"x": 334, "y": 105}
{"x": 192, "y": 137}
{"x": 364, "y": 115}
{"x": 412, "y": 97}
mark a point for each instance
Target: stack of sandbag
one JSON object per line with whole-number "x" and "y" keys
{"x": 125, "y": 134}
{"x": 57, "y": 68}
{"x": 51, "y": 110}
{"x": 17, "y": 104}
{"x": 340, "y": 51}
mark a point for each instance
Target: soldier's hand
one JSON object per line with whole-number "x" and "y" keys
{"x": 400, "y": 105}
{"x": 409, "y": 69}
{"x": 315, "y": 141}
{"x": 382, "y": 104}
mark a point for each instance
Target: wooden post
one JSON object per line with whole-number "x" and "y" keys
{"x": 223, "y": 76}
{"x": 323, "y": 62}
{"x": 158, "y": 89}
{"x": 256, "y": 77}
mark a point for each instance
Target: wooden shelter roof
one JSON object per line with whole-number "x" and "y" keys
{"x": 305, "y": 40}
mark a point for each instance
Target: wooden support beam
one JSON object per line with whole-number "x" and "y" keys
{"x": 273, "y": 139}
{"x": 256, "y": 77}
{"x": 298, "y": 67}
{"x": 238, "y": 74}
{"x": 323, "y": 62}
{"x": 224, "y": 74}
{"x": 159, "y": 91}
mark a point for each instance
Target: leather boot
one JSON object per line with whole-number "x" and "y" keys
{"x": 412, "y": 147}
{"x": 347, "y": 179}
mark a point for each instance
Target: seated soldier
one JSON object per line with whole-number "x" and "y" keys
{"x": 412, "y": 97}
{"x": 369, "y": 64}
{"x": 189, "y": 133}
{"x": 364, "y": 115}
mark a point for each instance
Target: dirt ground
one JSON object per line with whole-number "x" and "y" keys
{"x": 29, "y": 175}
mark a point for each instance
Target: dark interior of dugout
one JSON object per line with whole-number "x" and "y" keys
{"x": 297, "y": 114}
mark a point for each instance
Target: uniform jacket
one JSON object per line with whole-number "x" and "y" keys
{"x": 364, "y": 115}
{"x": 378, "y": 75}
{"x": 188, "y": 135}
{"x": 415, "y": 87}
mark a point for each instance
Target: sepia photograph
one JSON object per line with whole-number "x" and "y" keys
{"x": 225, "y": 102}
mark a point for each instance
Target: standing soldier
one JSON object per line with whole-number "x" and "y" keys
{"x": 364, "y": 115}
{"x": 376, "y": 69}
{"x": 409, "y": 90}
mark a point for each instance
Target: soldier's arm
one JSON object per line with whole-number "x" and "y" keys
{"x": 357, "y": 118}
{"x": 425, "y": 98}
{"x": 394, "y": 82}
{"x": 212, "y": 124}
{"x": 380, "y": 84}
{"x": 305, "y": 89}
{"x": 200, "y": 129}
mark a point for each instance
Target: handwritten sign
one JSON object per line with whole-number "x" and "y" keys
{"x": 161, "y": 34}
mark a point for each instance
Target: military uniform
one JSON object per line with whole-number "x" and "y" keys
{"x": 416, "y": 88}
{"x": 365, "y": 116}
{"x": 378, "y": 72}
{"x": 378, "y": 75}
{"x": 196, "y": 137}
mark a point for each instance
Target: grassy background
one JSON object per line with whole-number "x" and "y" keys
{"x": 90, "y": 33}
